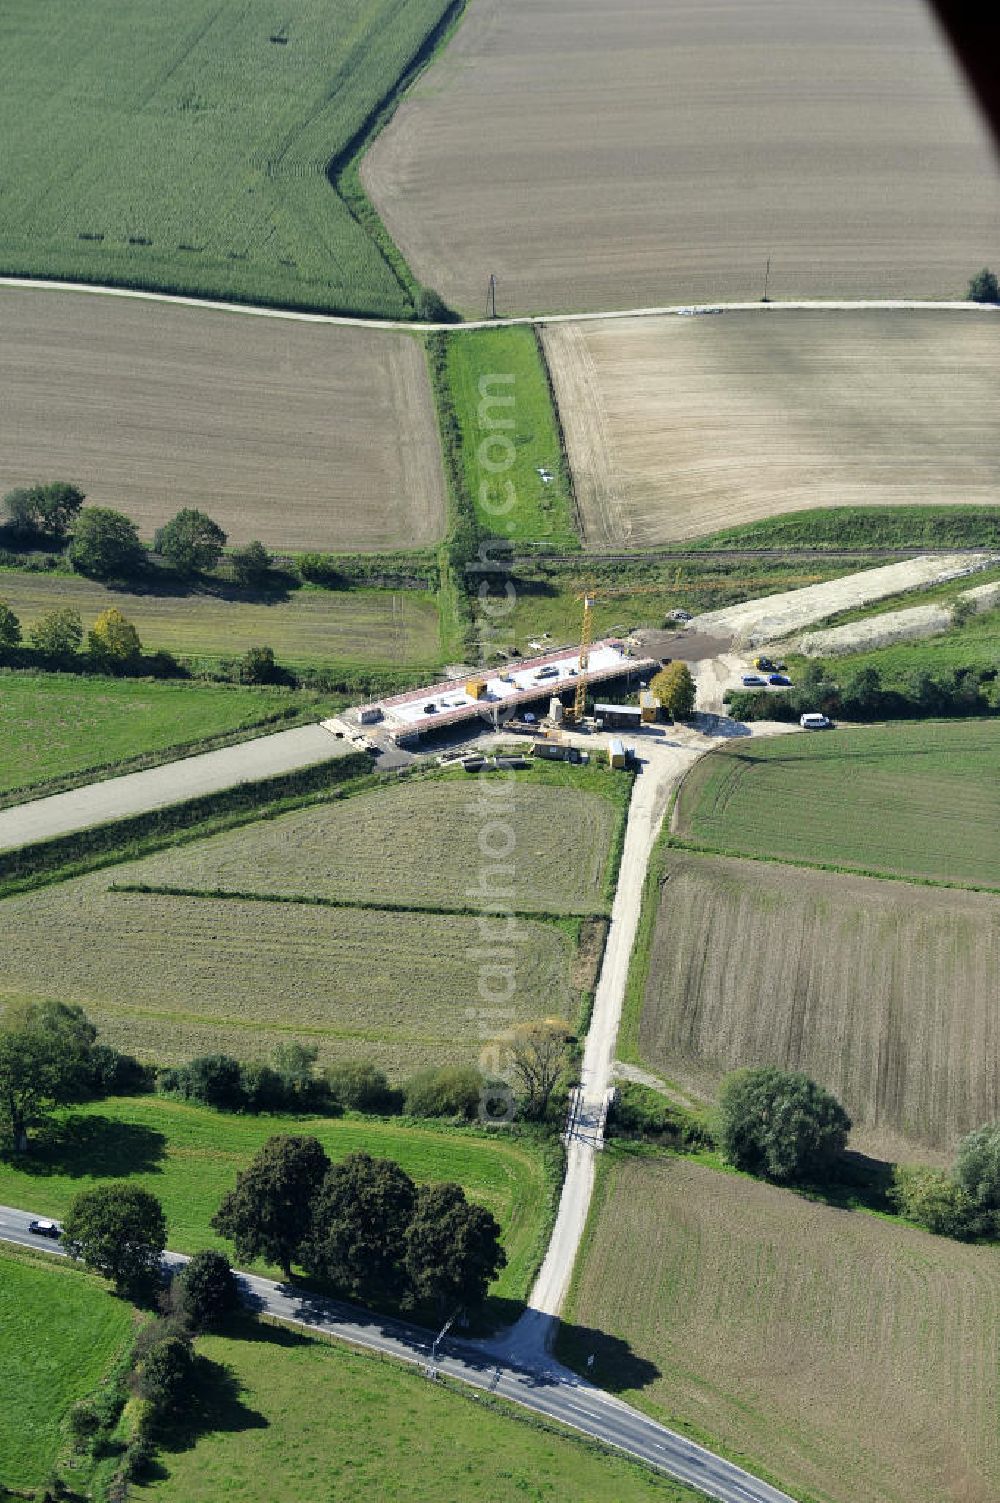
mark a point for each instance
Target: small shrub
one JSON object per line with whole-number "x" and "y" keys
{"x": 206, "y": 1290}
{"x": 984, "y": 287}
{"x": 258, "y": 666}
{"x": 639, "y": 1112}
{"x": 932, "y": 1199}
{"x": 251, "y": 565}
{"x": 361, "y": 1088}
{"x": 780, "y": 1124}
{"x": 84, "y": 1423}
{"x": 450, "y": 1091}
{"x": 162, "y": 1374}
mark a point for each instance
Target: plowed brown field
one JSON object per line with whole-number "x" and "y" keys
{"x": 305, "y": 436}
{"x": 600, "y": 156}
{"x": 851, "y": 1357}
{"x": 885, "y": 992}
{"x": 678, "y": 427}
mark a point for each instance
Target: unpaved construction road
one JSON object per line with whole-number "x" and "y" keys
{"x": 173, "y": 783}
{"x": 772, "y": 617}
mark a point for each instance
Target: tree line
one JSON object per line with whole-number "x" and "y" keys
{"x": 862, "y": 695}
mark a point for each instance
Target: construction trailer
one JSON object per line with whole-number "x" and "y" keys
{"x": 649, "y": 705}
{"x": 618, "y": 717}
{"x": 555, "y": 751}
{"x": 617, "y": 755}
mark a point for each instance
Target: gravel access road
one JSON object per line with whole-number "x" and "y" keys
{"x": 173, "y": 783}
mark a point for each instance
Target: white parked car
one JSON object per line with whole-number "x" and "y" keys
{"x": 815, "y": 722}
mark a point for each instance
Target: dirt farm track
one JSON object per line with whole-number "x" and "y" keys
{"x": 306, "y": 436}
{"x": 600, "y": 156}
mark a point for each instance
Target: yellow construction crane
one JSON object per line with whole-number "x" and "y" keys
{"x": 586, "y": 637}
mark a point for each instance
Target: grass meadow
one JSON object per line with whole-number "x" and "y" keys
{"x": 413, "y": 843}
{"x": 372, "y": 1428}
{"x": 973, "y": 644}
{"x": 920, "y": 800}
{"x": 204, "y": 968}
{"x": 305, "y": 626}
{"x": 641, "y": 592}
{"x": 499, "y": 387}
{"x": 60, "y": 1333}
{"x": 240, "y": 107}
{"x": 188, "y": 1157}
{"x": 55, "y": 727}
{"x": 843, "y": 1355}
{"x": 885, "y": 992}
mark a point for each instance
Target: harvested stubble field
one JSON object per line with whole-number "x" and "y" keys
{"x": 307, "y": 626}
{"x": 849, "y": 1356}
{"x": 305, "y": 436}
{"x": 186, "y": 146}
{"x": 636, "y": 155}
{"x": 415, "y": 843}
{"x": 58, "y": 725}
{"x": 371, "y": 1429}
{"x": 60, "y": 1332}
{"x": 886, "y": 992}
{"x": 677, "y": 427}
{"x": 169, "y": 977}
{"x": 921, "y": 800}
{"x": 188, "y": 1156}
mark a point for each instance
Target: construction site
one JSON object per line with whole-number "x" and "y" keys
{"x": 490, "y": 698}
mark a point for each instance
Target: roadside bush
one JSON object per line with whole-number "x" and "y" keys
{"x": 780, "y": 1124}
{"x": 204, "y": 1291}
{"x": 213, "y": 1079}
{"x": 984, "y": 287}
{"x": 115, "y": 1074}
{"x": 162, "y": 1374}
{"x": 977, "y": 1172}
{"x": 263, "y": 1088}
{"x": 258, "y": 666}
{"x": 639, "y": 1112}
{"x": 930, "y": 1198}
{"x": 251, "y": 565}
{"x": 321, "y": 569}
{"x": 361, "y": 1087}
{"x": 450, "y": 1091}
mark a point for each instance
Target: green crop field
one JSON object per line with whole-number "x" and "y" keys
{"x": 847, "y": 1356}
{"x": 185, "y": 146}
{"x": 188, "y": 1156}
{"x": 371, "y": 1429}
{"x": 509, "y": 434}
{"x": 415, "y": 843}
{"x": 885, "y": 992}
{"x": 170, "y": 977}
{"x": 56, "y": 726}
{"x": 308, "y": 626}
{"x": 920, "y": 800}
{"x": 60, "y": 1332}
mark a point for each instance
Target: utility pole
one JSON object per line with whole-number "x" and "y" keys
{"x": 767, "y": 273}
{"x": 491, "y": 297}
{"x": 430, "y": 1370}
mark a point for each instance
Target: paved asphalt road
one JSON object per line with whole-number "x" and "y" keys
{"x": 546, "y": 1388}
{"x": 117, "y": 798}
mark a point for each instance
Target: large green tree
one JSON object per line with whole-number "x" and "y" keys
{"x": 675, "y": 689}
{"x": 46, "y": 511}
{"x": 105, "y": 544}
{"x": 780, "y": 1124}
{"x": 360, "y": 1216}
{"x": 453, "y": 1249}
{"x": 269, "y": 1213}
{"x": 191, "y": 541}
{"x": 204, "y": 1291}
{"x": 120, "y": 1231}
{"x": 45, "y": 1060}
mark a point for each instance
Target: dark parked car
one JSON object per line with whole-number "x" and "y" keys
{"x": 45, "y": 1228}
{"x": 779, "y": 680}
